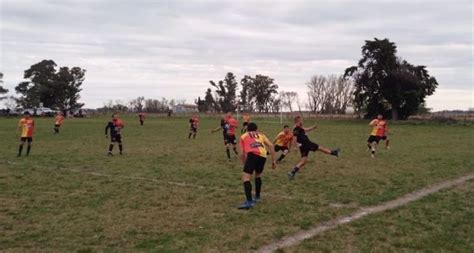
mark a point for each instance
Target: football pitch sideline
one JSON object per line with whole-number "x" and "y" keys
{"x": 167, "y": 193}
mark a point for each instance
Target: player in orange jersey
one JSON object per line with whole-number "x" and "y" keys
{"x": 283, "y": 142}
{"x": 194, "y": 123}
{"x": 141, "y": 117}
{"x": 254, "y": 147}
{"x": 246, "y": 119}
{"x": 378, "y": 133}
{"x": 58, "y": 121}
{"x": 228, "y": 125}
{"x": 26, "y": 127}
{"x": 115, "y": 125}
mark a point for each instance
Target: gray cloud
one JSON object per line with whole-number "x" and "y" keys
{"x": 173, "y": 48}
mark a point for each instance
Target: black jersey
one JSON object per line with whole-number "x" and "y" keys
{"x": 300, "y": 135}
{"x": 115, "y": 127}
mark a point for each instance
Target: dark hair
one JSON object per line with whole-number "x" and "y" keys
{"x": 252, "y": 127}
{"x": 26, "y": 113}
{"x": 285, "y": 126}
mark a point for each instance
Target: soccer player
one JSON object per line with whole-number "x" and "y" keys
{"x": 194, "y": 122}
{"x": 246, "y": 119}
{"x": 115, "y": 125}
{"x": 58, "y": 121}
{"x": 378, "y": 133}
{"x": 283, "y": 142}
{"x": 305, "y": 145}
{"x": 26, "y": 127}
{"x": 228, "y": 126}
{"x": 141, "y": 117}
{"x": 254, "y": 147}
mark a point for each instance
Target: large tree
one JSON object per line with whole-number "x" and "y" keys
{"x": 2, "y": 90}
{"x": 226, "y": 90}
{"x": 51, "y": 87}
{"x": 387, "y": 84}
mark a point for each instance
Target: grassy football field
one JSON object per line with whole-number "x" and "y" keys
{"x": 171, "y": 194}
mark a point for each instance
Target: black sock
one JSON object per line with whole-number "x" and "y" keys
{"x": 189, "y": 136}
{"x": 111, "y": 147}
{"x": 28, "y": 148}
{"x": 258, "y": 186}
{"x": 20, "y": 149}
{"x": 235, "y": 151}
{"x": 248, "y": 190}
{"x": 120, "y": 148}
{"x": 281, "y": 157}
{"x": 228, "y": 152}
{"x": 295, "y": 169}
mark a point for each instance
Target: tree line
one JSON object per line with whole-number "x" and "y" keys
{"x": 381, "y": 82}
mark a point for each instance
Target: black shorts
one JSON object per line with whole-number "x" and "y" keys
{"x": 116, "y": 138}
{"x": 193, "y": 129}
{"x": 278, "y": 148}
{"x": 57, "y": 125}
{"x": 254, "y": 163}
{"x": 310, "y": 146}
{"x": 374, "y": 138}
{"x": 230, "y": 139}
{"x": 28, "y": 139}
{"x": 384, "y": 138}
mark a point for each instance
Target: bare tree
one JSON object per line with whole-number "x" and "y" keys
{"x": 287, "y": 99}
{"x": 329, "y": 95}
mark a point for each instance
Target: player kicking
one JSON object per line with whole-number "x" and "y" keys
{"x": 228, "y": 125}
{"x": 283, "y": 142}
{"x": 254, "y": 147}
{"x": 194, "y": 122}
{"x": 378, "y": 133}
{"x": 141, "y": 118}
{"x": 58, "y": 121}
{"x": 115, "y": 125}
{"x": 246, "y": 119}
{"x": 26, "y": 127}
{"x": 302, "y": 140}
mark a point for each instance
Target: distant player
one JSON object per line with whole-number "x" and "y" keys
{"x": 229, "y": 125}
{"x": 283, "y": 142}
{"x": 141, "y": 117}
{"x": 246, "y": 119}
{"x": 26, "y": 127}
{"x": 305, "y": 145}
{"x": 254, "y": 147}
{"x": 58, "y": 121}
{"x": 379, "y": 132}
{"x": 115, "y": 126}
{"x": 194, "y": 123}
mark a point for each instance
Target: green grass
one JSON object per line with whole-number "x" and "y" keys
{"x": 55, "y": 200}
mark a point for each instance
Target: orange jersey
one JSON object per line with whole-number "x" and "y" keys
{"x": 231, "y": 125}
{"x": 284, "y": 139}
{"x": 253, "y": 142}
{"x": 194, "y": 121}
{"x": 27, "y": 127}
{"x": 59, "y": 120}
{"x": 380, "y": 127}
{"x": 246, "y": 118}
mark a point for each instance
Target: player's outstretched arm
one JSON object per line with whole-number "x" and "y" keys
{"x": 215, "y": 130}
{"x": 311, "y": 128}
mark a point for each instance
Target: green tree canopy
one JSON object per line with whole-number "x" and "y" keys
{"x": 387, "y": 84}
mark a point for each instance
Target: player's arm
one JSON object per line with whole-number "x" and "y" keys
{"x": 243, "y": 155}
{"x": 293, "y": 143}
{"x": 107, "y": 129}
{"x": 372, "y": 123}
{"x": 276, "y": 138}
{"x": 19, "y": 127}
{"x": 272, "y": 151}
{"x": 310, "y": 128}
{"x": 217, "y": 129}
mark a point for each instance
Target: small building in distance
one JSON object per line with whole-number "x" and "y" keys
{"x": 185, "y": 108}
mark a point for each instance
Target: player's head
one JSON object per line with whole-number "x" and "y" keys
{"x": 286, "y": 129}
{"x": 59, "y": 113}
{"x": 228, "y": 114}
{"x": 252, "y": 127}
{"x": 27, "y": 114}
{"x": 379, "y": 116}
{"x": 298, "y": 120}
{"x": 114, "y": 116}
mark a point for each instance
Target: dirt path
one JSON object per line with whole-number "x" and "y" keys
{"x": 297, "y": 238}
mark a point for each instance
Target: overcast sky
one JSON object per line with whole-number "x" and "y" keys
{"x": 173, "y": 48}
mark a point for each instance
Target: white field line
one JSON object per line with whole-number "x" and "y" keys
{"x": 297, "y": 238}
